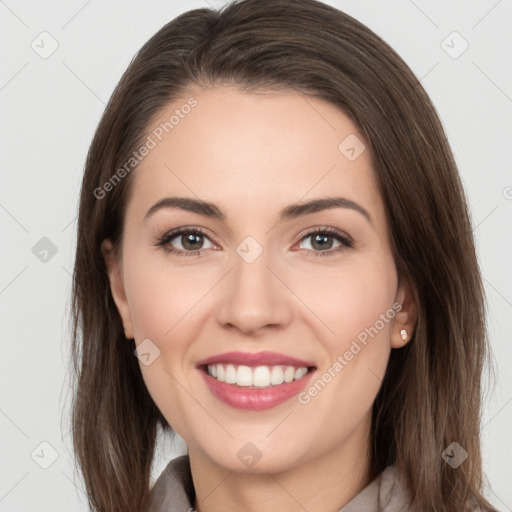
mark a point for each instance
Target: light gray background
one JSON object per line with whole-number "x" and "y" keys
{"x": 49, "y": 110}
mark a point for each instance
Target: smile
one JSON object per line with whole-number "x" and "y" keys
{"x": 255, "y": 381}
{"x": 259, "y": 377}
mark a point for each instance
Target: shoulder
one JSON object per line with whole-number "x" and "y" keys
{"x": 393, "y": 492}
{"x": 386, "y": 493}
{"x": 174, "y": 489}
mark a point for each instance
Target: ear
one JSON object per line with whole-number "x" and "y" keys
{"x": 405, "y": 319}
{"x": 115, "y": 274}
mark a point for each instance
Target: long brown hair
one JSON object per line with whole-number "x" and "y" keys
{"x": 431, "y": 394}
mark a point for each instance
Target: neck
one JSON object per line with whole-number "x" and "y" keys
{"x": 325, "y": 483}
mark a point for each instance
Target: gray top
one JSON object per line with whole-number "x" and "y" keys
{"x": 174, "y": 491}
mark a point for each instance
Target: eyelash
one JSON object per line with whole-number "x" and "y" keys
{"x": 346, "y": 241}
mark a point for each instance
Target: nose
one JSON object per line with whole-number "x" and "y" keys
{"x": 254, "y": 297}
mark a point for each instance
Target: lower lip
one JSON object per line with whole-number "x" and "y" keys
{"x": 254, "y": 399}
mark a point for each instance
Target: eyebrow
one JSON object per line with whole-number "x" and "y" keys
{"x": 290, "y": 212}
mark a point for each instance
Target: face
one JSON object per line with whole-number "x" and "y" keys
{"x": 261, "y": 320}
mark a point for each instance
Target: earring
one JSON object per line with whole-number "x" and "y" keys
{"x": 403, "y": 334}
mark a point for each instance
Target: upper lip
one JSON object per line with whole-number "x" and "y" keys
{"x": 255, "y": 359}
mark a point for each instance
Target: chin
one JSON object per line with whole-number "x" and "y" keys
{"x": 247, "y": 458}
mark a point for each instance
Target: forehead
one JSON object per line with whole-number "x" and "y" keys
{"x": 260, "y": 148}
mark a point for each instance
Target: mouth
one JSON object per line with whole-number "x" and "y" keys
{"x": 255, "y": 377}
{"x": 255, "y": 381}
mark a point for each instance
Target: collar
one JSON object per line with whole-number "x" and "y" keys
{"x": 174, "y": 491}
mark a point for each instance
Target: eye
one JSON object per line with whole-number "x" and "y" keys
{"x": 326, "y": 241}
{"x": 185, "y": 241}
{"x": 321, "y": 242}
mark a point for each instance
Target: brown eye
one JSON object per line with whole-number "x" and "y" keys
{"x": 326, "y": 241}
{"x": 186, "y": 242}
{"x": 192, "y": 241}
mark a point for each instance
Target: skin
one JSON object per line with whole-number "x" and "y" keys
{"x": 253, "y": 154}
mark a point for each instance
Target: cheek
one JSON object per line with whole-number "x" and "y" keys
{"x": 361, "y": 318}
{"x": 354, "y": 303}
{"x": 161, "y": 296}
{"x": 351, "y": 298}
{"x": 163, "y": 302}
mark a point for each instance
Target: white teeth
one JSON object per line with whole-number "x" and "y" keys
{"x": 230, "y": 376}
{"x": 289, "y": 373}
{"x": 260, "y": 376}
{"x": 276, "y": 375}
{"x": 244, "y": 376}
{"x": 221, "y": 374}
{"x": 300, "y": 372}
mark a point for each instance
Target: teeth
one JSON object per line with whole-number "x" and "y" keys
{"x": 289, "y": 373}
{"x": 300, "y": 372}
{"x": 276, "y": 375}
{"x": 243, "y": 376}
{"x": 260, "y": 376}
{"x": 230, "y": 376}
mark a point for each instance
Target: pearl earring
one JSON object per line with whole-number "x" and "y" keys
{"x": 403, "y": 334}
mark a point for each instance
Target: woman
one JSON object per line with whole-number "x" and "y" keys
{"x": 271, "y": 220}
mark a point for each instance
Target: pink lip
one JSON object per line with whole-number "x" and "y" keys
{"x": 254, "y": 399}
{"x": 251, "y": 398}
{"x": 257, "y": 359}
